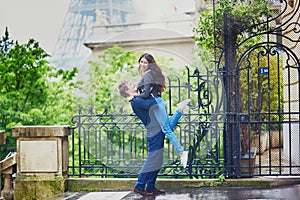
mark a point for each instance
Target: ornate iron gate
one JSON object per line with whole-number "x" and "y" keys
{"x": 246, "y": 107}
{"x": 261, "y": 82}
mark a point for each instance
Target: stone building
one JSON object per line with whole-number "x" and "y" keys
{"x": 161, "y": 28}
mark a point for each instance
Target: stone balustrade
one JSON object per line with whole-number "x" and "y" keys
{"x": 2, "y": 137}
{"x": 7, "y": 167}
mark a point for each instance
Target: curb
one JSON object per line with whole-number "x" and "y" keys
{"x": 121, "y": 184}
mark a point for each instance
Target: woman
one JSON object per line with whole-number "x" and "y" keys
{"x": 153, "y": 84}
{"x": 151, "y": 109}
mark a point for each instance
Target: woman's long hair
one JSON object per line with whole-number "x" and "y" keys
{"x": 159, "y": 78}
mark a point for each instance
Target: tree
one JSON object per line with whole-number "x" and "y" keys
{"x": 5, "y": 43}
{"x": 31, "y": 91}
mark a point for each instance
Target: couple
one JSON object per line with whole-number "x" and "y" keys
{"x": 148, "y": 105}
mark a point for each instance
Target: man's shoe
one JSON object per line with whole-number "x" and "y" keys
{"x": 157, "y": 191}
{"x": 183, "y": 105}
{"x": 142, "y": 192}
{"x": 184, "y": 158}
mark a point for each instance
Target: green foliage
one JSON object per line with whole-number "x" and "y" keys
{"x": 205, "y": 30}
{"x": 265, "y": 90}
{"x": 31, "y": 91}
{"x": 246, "y": 16}
{"x": 221, "y": 178}
{"x": 22, "y": 80}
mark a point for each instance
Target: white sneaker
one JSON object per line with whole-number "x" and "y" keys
{"x": 183, "y": 105}
{"x": 184, "y": 158}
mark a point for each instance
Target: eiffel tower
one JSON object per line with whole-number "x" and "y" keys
{"x": 81, "y": 17}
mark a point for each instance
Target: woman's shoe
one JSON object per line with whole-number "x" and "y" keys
{"x": 184, "y": 158}
{"x": 142, "y": 192}
{"x": 183, "y": 105}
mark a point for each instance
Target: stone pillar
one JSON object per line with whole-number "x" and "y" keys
{"x": 42, "y": 161}
{"x": 291, "y": 127}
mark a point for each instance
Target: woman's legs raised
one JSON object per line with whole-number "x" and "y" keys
{"x": 167, "y": 127}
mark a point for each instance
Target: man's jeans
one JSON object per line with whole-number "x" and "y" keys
{"x": 147, "y": 111}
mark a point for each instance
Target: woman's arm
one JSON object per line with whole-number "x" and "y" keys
{"x": 146, "y": 92}
{"x": 147, "y": 83}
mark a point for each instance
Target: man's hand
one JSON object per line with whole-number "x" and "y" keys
{"x": 130, "y": 98}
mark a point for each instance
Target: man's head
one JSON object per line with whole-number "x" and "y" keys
{"x": 126, "y": 89}
{"x": 123, "y": 89}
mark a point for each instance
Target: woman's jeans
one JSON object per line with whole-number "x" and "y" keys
{"x": 166, "y": 124}
{"x": 145, "y": 109}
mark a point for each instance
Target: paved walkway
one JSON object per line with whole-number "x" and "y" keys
{"x": 99, "y": 195}
{"x": 228, "y": 193}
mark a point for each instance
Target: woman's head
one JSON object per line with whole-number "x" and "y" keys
{"x": 147, "y": 62}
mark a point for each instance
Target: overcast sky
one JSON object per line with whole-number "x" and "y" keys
{"x": 38, "y": 19}
{"x": 43, "y": 19}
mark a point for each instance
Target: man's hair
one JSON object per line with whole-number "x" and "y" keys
{"x": 123, "y": 89}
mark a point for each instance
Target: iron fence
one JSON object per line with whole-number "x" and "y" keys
{"x": 114, "y": 145}
{"x": 243, "y": 120}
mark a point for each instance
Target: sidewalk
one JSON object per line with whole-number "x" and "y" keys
{"x": 287, "y": 188}
{"x": 229, "y": 193}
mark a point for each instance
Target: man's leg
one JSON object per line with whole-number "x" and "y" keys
{"x": 155, "y": 140}
{"x": 153, "y": 162}
{"x": 156, "y": 149}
